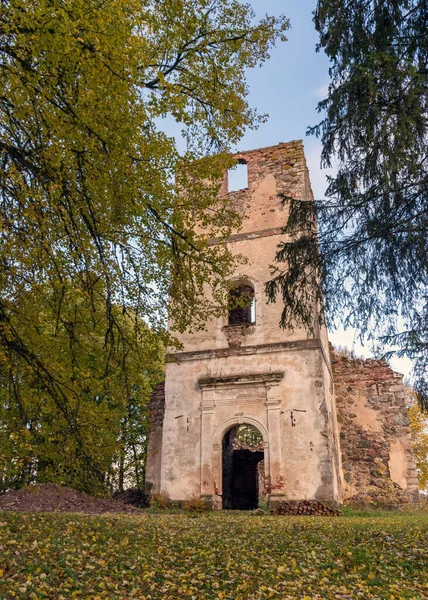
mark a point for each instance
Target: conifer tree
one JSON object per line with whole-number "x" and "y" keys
{"x": 368, "y": 258}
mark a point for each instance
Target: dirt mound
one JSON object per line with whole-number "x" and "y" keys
{"x": 50, "y": 497}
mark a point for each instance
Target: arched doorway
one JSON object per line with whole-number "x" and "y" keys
{"x": 243, "y": 472}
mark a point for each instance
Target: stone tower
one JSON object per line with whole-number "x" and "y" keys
{"x": 245, "y": 369}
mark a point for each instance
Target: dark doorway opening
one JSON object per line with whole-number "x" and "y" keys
{"x": 243, "y": 468}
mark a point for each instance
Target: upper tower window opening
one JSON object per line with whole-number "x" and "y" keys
{"x": 242, "y": 305}
{"x": 237, "y": 176}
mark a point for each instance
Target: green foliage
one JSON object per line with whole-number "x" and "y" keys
{"x": 249, "y": 435}
{"x": 213, "y": 557}
{"x": 370, "y": 255}
{"x": 100, "y": 402}
{"x": 97, "y": 211}
{"x": 419, "y": 431}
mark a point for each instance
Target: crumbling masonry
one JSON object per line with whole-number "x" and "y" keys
{"x": 332, "y": 428}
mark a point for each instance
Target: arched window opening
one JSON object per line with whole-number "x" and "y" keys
{"x": 242, "y": 305}
{"x": 244, "y": 482}
{"x": 237, "y": 176}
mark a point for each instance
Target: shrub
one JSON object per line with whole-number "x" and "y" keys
{"x": 160, "y": 501}
{"x": 197, "y": 504}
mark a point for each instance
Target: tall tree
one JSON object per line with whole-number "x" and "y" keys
{"x": 97, "y": 205}
{"x": 368, "y": 261}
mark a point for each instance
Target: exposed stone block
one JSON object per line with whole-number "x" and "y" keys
{"x": 374, "y": 430}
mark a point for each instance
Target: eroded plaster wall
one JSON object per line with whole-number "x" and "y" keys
{"x": 376, "y": 446}
{"x": 304, "y": 468}
{"x": 271, "y": 171}
{"x": 154, "y": 448}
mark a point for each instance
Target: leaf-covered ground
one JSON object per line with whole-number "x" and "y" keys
{"x": 231, "y": 556}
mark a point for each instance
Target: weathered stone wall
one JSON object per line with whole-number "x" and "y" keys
{"x": 272, "y": 171}
{"x": 377, "y": 455}
{"x": 289, "y": 411}
{"x": 280, "y": 168}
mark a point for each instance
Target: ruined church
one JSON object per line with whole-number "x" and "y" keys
{"x": 250, "y": 412}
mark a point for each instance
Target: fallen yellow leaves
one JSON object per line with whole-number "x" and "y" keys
{"x": 228, "y": 556}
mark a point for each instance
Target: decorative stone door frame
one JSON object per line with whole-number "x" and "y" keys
{"x": 212, "y": 439}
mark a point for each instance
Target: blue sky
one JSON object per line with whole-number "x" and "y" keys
{"x": 289, "y": 85}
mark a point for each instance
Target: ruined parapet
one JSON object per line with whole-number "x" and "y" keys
{"x": 375, "y": 440}
{"x": 154, "y": 448}
{"x": 273, "y": 170}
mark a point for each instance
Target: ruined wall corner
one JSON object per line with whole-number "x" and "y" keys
{"x": 377, "y": 455}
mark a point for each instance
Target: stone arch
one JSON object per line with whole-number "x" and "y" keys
{"x": 244, "y": 278}
{"x": 224, "y": 427}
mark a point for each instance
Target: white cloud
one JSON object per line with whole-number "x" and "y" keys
{"x": 349, "y": 338}
{"x": 317, "y": 175}
{"x": 321, "y": 92}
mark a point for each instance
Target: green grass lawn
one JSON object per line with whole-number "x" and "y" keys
{"x": 234, "y": 556}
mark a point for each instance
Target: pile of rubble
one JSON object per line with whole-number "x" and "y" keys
{"x": 305, "y": 508}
